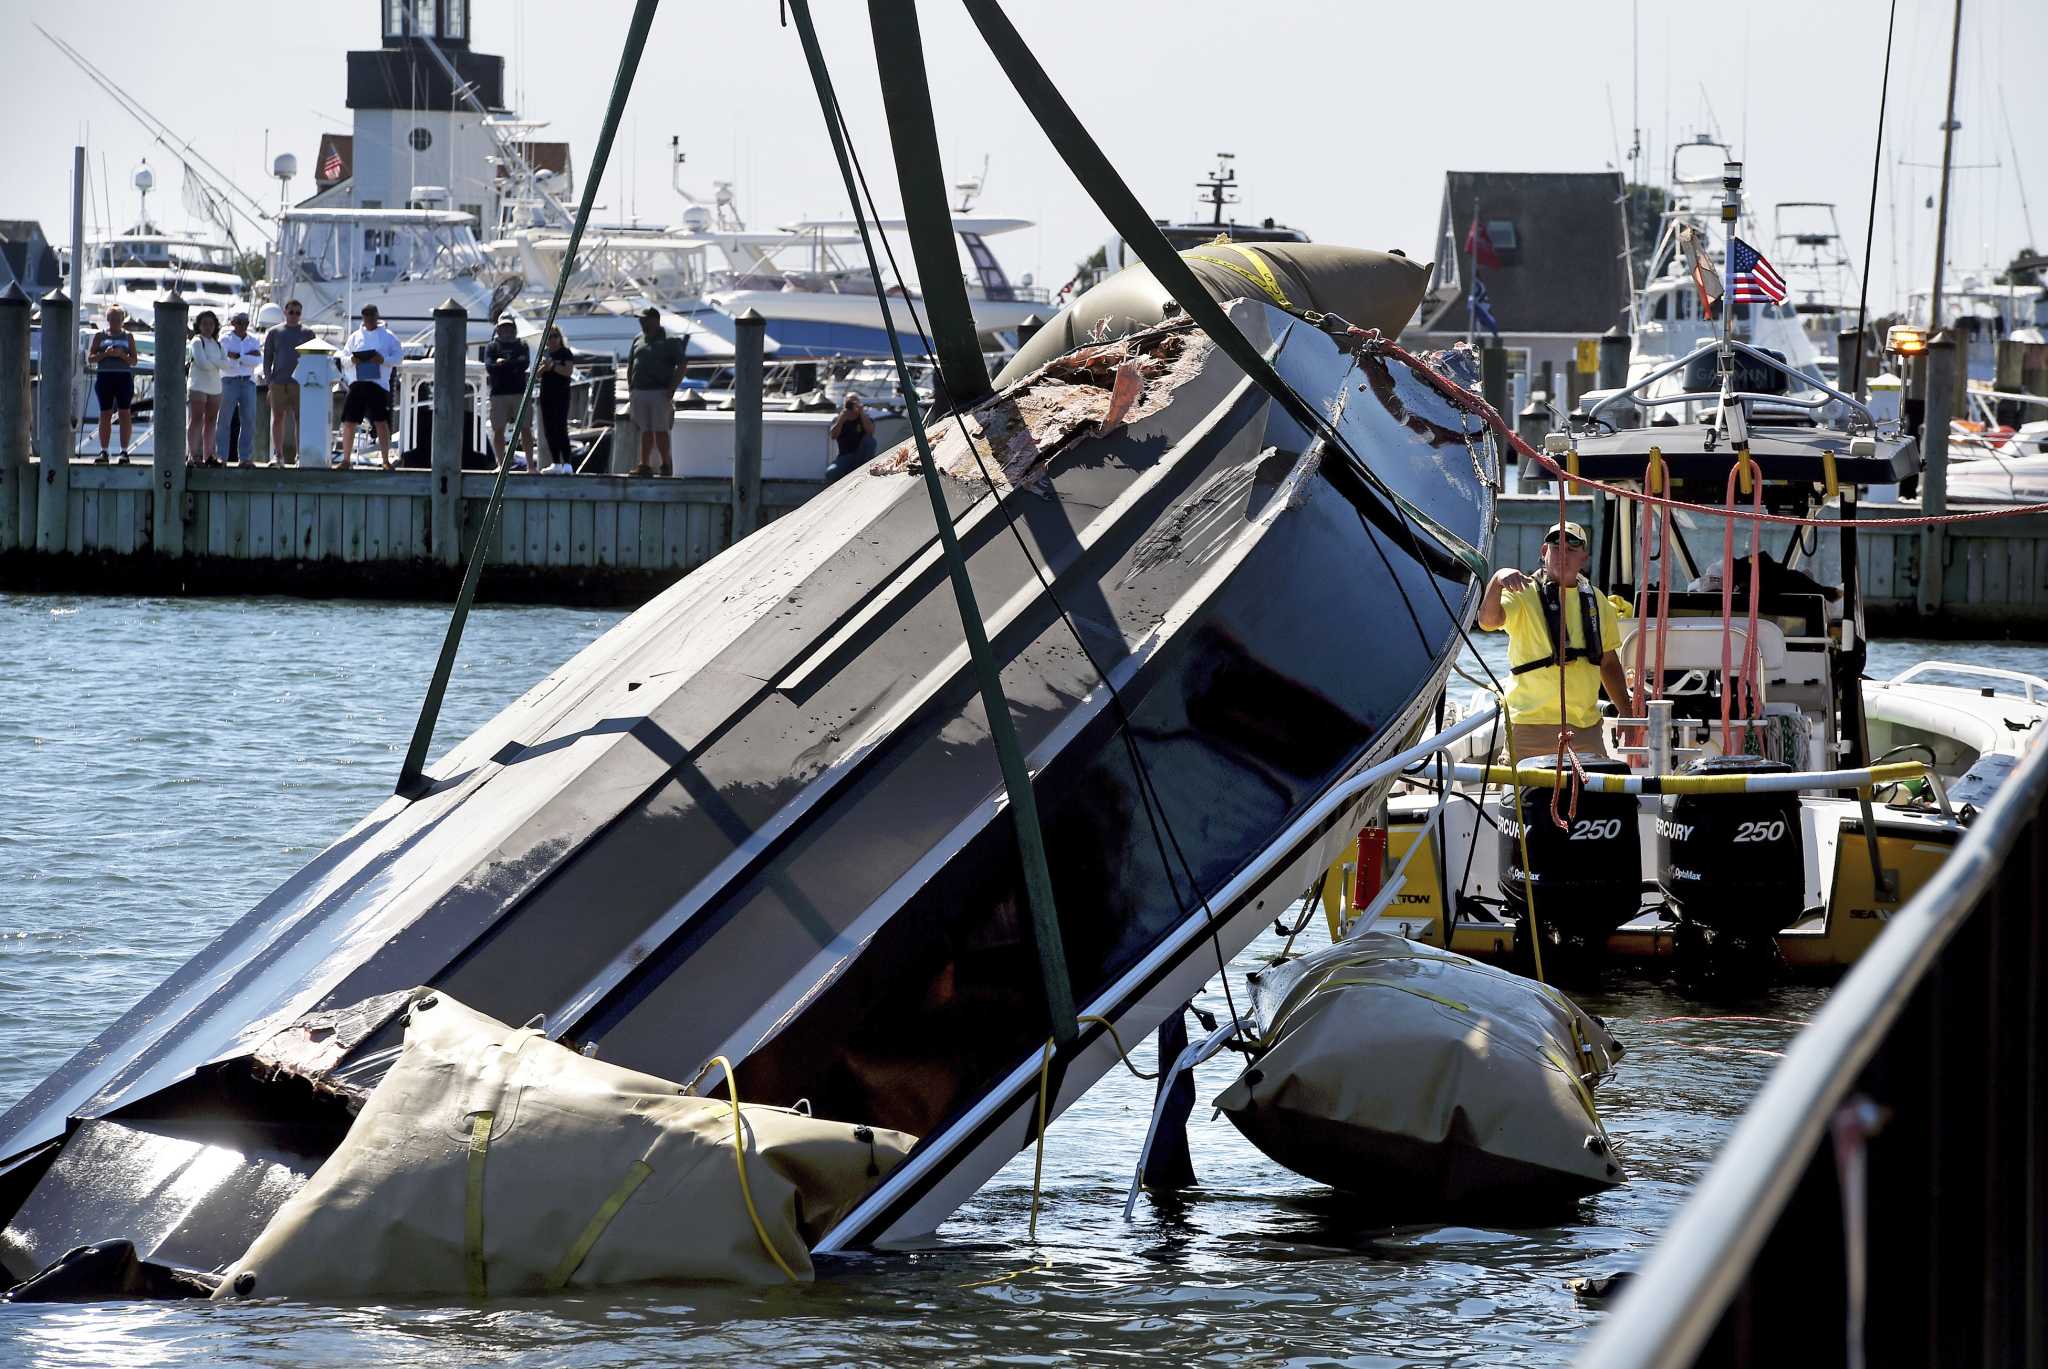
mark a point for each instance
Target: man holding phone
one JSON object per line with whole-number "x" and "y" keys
{"x": 375, "y": 351}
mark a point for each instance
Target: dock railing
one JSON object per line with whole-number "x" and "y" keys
{"x": 1885, "y": 1198}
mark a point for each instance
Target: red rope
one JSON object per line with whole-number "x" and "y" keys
{"x": 1747, "y": 683}
{"x": 1369, "y": 340}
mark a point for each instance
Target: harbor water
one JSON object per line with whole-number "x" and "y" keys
{"x": 169, "y": 762}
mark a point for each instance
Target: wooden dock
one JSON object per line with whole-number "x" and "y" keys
{"x": 369, "y": 534}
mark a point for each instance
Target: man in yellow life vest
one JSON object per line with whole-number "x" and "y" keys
{"x": 1527, "y": 606}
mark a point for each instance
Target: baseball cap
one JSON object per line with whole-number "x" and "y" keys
{"x": 652, "y": 313}
{"x": 1571, "y": 530}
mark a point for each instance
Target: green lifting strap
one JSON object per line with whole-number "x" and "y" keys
{"x": 1381, "y": 504}
{"x": 1044, "y": 920}
{"x": 907, "y": 102}
{"x": 412, "y": 779}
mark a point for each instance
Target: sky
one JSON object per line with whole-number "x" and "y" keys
{"x": 1343, "y": 117}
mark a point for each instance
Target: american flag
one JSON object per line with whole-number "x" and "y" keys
{"x": 330, "y": 169}
{"x": 1754, "y": 278}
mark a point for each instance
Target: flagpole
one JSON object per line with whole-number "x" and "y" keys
{"x": 1471, "y": 285}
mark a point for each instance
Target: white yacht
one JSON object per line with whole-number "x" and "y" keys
{"x": 136, "y": 268}
{"x": 1669, "y": 320}
{"x": 1981, "y": 309}
{"x": 405, "y": 261}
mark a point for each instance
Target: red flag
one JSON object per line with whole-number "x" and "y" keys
{"x": 1479, "y": 244}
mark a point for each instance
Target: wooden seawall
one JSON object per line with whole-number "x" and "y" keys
{"x": 369, "y": 534}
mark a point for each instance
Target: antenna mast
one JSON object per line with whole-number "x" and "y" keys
{"x": 1220, "y": 188}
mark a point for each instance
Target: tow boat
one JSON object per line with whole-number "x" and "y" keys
{"x": 1748, "y": 702}
{"x": 761, "y": 818}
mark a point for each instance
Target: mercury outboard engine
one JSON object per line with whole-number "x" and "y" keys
{"x": 1587, "y": 875}
{"x": 1732, "y": 868}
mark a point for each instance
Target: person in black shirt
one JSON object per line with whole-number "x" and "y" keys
{"x": 557, "y": 365}
{"x": 506, "y": 360}
{"x": 854, "y": 431}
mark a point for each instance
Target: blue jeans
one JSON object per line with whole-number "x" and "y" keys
{"x": 237, "y": 394}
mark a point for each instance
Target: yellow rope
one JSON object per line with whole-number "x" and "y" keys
{"x": 739, "y": 1158}
{"x": 1121, "y": 1053}
{"x": 1038, "y": 1165}
{"x": 1522, "y": 832}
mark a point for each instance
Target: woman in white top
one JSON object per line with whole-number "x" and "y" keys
{"x": 208, "y": 356}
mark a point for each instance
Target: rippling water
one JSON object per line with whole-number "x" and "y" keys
{"x": 167, "y": 763}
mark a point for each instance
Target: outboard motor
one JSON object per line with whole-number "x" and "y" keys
{"x": 1732, "y": 868}
{"x": 1587, "y": 875}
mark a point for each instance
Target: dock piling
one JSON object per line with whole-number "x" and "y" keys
{"x": 1531, "y": 425}
{"x": 56, "y": 433}
{"x": 451, "y": 414}
{"x": 17, "y": 490}
{"x": 750, "y": 332}
{"x": 1941, "y": 403}
{"x": 1493, "y": 376}
{"x": 168, "y": 415}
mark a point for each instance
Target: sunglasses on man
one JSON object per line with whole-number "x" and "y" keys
{"x": 1574, "y": 543}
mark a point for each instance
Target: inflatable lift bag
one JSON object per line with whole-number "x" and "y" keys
{"x": 422, "y": 1197}
{"x": 1371, "y": 289}
{"x": 1424, "y": 1078}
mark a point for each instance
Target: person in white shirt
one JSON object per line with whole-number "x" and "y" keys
{"x": 208, "y": 359}
{"x": 375, "y": 352}
{"x": 244, "y": 351}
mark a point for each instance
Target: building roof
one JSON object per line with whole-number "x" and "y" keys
{"x": 1567, "y": 271}
{"x": 27, "y": 258}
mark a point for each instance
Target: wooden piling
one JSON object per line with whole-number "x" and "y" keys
{"x": 451, "y": 420}
{"x": 1531, "y": 425}
{"x": 750, "y": 332}
{"x": 168, "y": 413}
{"x": 17, "y": 489}
{"x": 1941, "y": 402}
{"x": 56, "y": 434}
{"x": 1493, "y": 376}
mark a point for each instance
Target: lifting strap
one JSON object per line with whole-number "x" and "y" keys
{"x": 1441, "y": 549}
{"x": 907, "y": 102}
{"x": 1260, "y": 277}
{"x": 1589, "y": 650}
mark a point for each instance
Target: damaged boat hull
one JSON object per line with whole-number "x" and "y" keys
{"x": 762, "y": 817}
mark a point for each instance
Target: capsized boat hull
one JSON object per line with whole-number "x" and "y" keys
{"x": 762, "y": 816}
{"x": 1424, "y": 1081}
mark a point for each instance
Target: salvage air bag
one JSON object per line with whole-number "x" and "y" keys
{"x": 494, "y": 1161}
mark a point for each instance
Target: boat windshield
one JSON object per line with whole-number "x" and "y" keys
{"x": 374, "y": 252}
{"x": 164, "y": 253}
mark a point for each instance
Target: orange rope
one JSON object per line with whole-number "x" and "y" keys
{"x": 1746, "y": 683}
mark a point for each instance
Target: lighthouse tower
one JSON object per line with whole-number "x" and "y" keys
{"x": 418, "y": 142}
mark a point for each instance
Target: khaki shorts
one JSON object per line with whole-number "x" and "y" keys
{"x": 506, "y": 407}
{"x": 652, "y": 411}
{"x": 1540, "y": 739}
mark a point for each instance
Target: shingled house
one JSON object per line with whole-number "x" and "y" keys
{"x": 1563, "y": 276}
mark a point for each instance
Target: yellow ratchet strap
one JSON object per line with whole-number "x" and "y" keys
{"x": 1746, "y": 469}
{"x": 599, "y": 1220}
{"x": 1827, "y": 468}
{"x": 1571, "y": 469}
{"x": 1260, "y": 274}
{"x": 474, "y": 1273}
{"x": 1655, "y": 481}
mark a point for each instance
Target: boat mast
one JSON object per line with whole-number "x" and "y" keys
{"x": 1217, "y": 188}
{"x": 1948, "y": 147}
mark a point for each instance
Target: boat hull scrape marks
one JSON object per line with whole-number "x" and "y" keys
{"x": 762, "y": 817}
{"x": 1426, "y": 1082}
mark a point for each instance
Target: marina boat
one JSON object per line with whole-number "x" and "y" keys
{"x": 404, "y": 261}
{"x": 1820, "y": 280}
{"x": 1803, "y": 881}
{"x": 1670, "y": 323}
{"x": 761, "y": 818}
{"x": 1219, "y": 190}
